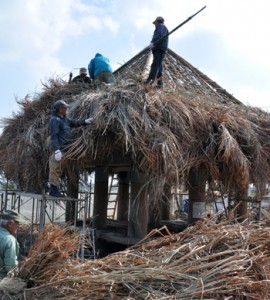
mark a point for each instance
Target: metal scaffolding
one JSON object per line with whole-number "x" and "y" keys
{"x": 41, "y": 209}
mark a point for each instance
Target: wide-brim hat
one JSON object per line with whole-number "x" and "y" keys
{"x": 13, "y": 215}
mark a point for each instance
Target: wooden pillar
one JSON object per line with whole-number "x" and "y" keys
{"x": 100, "y": 197}
{"x": 161, "y": 210}
{"x": 138, "y": 215}
{"x": 72, "y": 191}
{"x": 241, "y": 197}
{"x": 197, "y": 181}
{"x": 154, "y": 214}
{"x": 123, "y": 196}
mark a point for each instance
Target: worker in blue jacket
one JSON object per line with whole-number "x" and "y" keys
{"x": 60, "y": 138}
{"x": 159, "y": 47}
{"x": 100, "y": 70}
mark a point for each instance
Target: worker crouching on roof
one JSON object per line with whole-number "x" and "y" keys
{"x": 9, "y": 247}
{"x": 100, "y": 70}
{"x": 81, "y": 78}
{"x": 60, "y": 130}
{"x": 159, "y": 47}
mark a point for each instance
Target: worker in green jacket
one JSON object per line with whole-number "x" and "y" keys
{"x": 9, "y": 247}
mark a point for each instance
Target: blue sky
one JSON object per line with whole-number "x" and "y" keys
{"x": 40, "y": 39}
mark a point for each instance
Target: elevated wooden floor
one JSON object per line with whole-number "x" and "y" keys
{"x": 117, "y": 231}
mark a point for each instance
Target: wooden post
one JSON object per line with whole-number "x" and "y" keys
{"x": 197, "y": 181}
{"x": 72, "y": 191}
{"x": 138, "y": 218}
{"x": 100, "y": 197}
{"x": 123, "y": 196}
{"x": 241, "y": 198}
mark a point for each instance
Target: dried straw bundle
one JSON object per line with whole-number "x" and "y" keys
{"x": 206, "y": 261}
{"x": 54, "y": 245}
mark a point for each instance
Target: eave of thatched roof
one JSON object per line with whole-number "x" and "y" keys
{"x": 192, "y": 123}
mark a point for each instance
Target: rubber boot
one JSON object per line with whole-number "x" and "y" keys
{"x": 159, "y": 84}
{"x": 54, "y": 192}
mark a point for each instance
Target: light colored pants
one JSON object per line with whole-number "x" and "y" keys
{"x": 56, "y": 169}
{"x": 105, "y": 77}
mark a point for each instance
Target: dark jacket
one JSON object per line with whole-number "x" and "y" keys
{"x": 160, "y": 31}
{"x": 60, "y": 128}
{"x": 79, "y": 79}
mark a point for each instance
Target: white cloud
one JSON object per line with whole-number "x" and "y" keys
{"x": 39, "y": 29}
{"x": 111, "y": 24}
{"x": 250, "y": 95}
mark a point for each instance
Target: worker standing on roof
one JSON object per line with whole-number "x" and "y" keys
{"x": 159, "y": 47}
{"x": 60, "y": 130}
{"x": 81, "y": 78}
{"x": 100, "y": 70}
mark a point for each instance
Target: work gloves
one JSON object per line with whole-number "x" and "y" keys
{"x": 88, "y": 121}
{"x": 58, "y": 155}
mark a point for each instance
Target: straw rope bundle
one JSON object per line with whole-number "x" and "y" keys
{"x": 206, "y": 261}
{"x": 53, "y": 245}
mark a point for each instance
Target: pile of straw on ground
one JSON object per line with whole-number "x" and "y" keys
{"x": 206, "y": 261}
{"x": 53, "y": 245}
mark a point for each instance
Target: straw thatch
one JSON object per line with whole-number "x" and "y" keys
{"x": 192, "y": 123}
{"x": 197, "y": 263}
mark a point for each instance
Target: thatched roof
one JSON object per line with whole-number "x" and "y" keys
{"x": 180, "y": 75}
{"x": 192, "y": 123}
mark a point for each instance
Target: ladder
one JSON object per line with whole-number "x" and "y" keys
{"x": 112, "y": 197}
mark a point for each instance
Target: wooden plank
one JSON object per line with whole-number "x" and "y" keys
{"x": 117, "y": 224}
